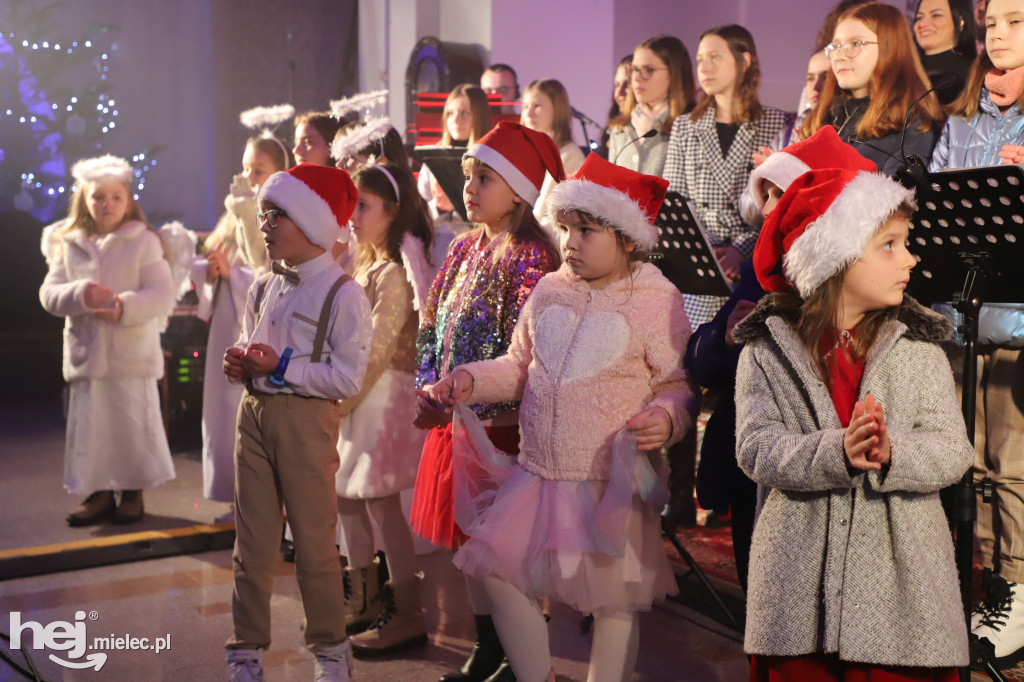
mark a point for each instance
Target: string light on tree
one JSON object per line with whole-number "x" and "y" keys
{"x": 47, "y": 121}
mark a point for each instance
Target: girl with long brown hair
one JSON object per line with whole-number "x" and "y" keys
{"x": 378, "y": 446}
{"x": 848, "y": 421}
{"x": 546, "y": 109}
{"x": 876, "y": 76}
{"x": 710, "y": 151}
{"x": 466, "y": 118}
{"x": 661, "y": 78}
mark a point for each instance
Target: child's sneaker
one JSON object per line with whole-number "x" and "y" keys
{"x": 1003, "y": 621}
{"x": 333, "y": 663}
{"x": 245, "y": 665}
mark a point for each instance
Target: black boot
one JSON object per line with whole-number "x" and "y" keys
{"x": 485, "y": 658}
{"x": 681, "y": 509}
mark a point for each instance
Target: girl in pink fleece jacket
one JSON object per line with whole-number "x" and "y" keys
{"x": 596, "y": 359}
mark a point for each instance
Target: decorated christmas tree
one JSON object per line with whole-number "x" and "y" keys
{"x": 56, "y": 106}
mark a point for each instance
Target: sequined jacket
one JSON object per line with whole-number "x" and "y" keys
{"x": 473, "y": 306}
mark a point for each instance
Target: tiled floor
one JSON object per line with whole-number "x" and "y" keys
{"x": 188, "y": 597}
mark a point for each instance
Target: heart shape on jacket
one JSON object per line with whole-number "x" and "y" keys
{"x": 576, "y": 353}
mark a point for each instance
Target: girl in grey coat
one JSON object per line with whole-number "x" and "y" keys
{"x": 852, "y": 561}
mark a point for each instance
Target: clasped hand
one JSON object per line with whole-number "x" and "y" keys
{"x": 867, "y": 439}
{"x": 106, "y": 306}
{"x": 257, "y": 359}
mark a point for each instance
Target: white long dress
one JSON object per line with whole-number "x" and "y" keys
{"x": 222, "y": 304}
{"x": 115, "y": 433}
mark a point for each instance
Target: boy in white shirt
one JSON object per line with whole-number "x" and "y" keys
{"x": 304, "y": 346}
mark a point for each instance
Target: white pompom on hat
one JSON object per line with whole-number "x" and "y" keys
{"x": 318, "y": 199}
{"x": 520, "y": 156}
{"x": 101, "y": 168}
{"x": 823, "y": 223}
{"x": 624, "y": 199}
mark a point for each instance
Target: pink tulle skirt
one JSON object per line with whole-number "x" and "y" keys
{"x": 594, "y": 545}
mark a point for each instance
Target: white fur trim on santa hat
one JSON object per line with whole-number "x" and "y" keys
{"x": 305, "y": 207}
{"x": 106, "y": 167}
{"x": 779, "y": 168}
{"x": 519, "y": 183}
{"x": 607, "y": 204}
{"x": 841, "y": 234}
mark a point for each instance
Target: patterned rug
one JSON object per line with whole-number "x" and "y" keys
{"x": 711, "y": 548}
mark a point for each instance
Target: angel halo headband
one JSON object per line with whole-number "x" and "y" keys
{"x": 266, "y": 120}
{"x": 106, "y": 167}
{"x": 373, "y": 131}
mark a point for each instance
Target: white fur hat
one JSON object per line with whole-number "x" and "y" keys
{"x": 626, "y": 200}
{"x": 100, "y": 168}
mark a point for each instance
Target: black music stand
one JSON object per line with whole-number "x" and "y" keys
{"x": 446, "y": 165}
{"x": 968, "y": 238}
{"x": 684, "y": 254}
{"x": 686, "y": 258}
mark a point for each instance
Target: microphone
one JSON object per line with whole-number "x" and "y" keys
{"x": 914, "y": 173}
{"x": 583, "y": 118}
{"x": 650, "y": 133}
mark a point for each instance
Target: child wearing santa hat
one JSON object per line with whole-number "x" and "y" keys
{"x": 712, "y": 354}
{"x": 304, "y": 346}
{"x": 471, "y": 310}
{"x": 848, "y": 421}
{"x": 596, "y": 360}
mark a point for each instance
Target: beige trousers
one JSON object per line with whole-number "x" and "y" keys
{"x": 286, "y": 452}
{"x": 999, "y": 456}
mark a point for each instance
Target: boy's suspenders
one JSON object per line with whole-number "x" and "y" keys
{"x": 325, "y": 318}
{"x": 325, "y": 313}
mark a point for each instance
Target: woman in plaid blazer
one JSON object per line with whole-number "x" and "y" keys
{"x": 710, "y": 152}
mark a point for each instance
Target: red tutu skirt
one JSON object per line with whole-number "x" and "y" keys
{"x": 831, "y": 669}
{"x": 433, "y": 513}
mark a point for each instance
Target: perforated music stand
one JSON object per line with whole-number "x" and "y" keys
{"x": 446, "y": 165}
{"x": 686, "y": 258}
{"x": 684, "y": 254}
{"x": 968, "y": 239}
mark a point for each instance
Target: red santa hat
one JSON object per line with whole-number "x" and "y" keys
{"x": 318, "y": 199}
{"x": 520, "y": 156}
{"x": 822, "y": 224}
{"x": 823, "y": 149}
{"x": 624, "y": 199}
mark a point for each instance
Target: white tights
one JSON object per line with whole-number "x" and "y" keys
{"x": 395, "y": 536}
{"x": 524, "y": 636}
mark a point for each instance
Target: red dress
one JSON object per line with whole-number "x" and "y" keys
{"x": 846, "y": 376}
{"x": 432, "y": 514}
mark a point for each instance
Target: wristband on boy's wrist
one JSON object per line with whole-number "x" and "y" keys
{"x": 277, "y": 378}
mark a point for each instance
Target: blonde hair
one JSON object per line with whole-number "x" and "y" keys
{"x": 80, "y": 218}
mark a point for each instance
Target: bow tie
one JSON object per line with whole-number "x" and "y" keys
{"x": 288, "y": 273}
